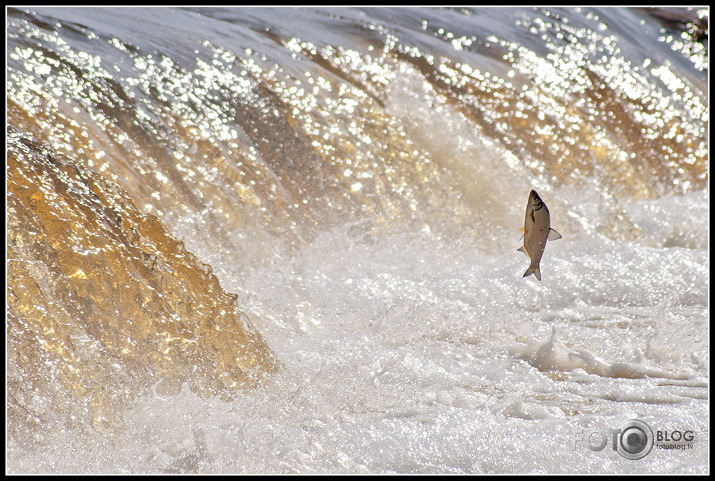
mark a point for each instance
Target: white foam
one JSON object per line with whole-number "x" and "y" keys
{"x": 554, "y": 355}
{"x": 412, "y": 354}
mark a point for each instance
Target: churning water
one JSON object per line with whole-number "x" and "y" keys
{"x": 284, "y": 240}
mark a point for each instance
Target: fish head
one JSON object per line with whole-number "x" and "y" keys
{"x": 535, "y": 201}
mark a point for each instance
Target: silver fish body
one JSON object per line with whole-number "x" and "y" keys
{"x": 537, "y": 230}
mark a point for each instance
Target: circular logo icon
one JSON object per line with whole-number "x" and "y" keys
{"x": 635, "y": 440}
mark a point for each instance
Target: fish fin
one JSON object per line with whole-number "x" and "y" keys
{"x": 523, "y": 232}
{"x": 533, "y": 270}
{"x": 523, "y": 249}
{"x": 553, "y": 235}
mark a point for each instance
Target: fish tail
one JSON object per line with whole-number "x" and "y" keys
{"x": 533, "y": 269}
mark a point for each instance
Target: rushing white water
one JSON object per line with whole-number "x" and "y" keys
{"x": 419, "y": 355}
{"x": 415, "y": 354}
{"x": 419, "y": 348}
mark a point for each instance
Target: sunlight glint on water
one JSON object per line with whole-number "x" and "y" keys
{"x": 357, "y": 177}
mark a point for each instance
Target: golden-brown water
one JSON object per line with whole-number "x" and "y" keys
{"x": 104, "y": 302}
{"x": 172, "y": 171}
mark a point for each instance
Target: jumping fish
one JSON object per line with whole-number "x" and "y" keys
{"x": 537, "y": 230}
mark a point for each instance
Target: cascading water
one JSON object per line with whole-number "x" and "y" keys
{"x": 277, "y": 240}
